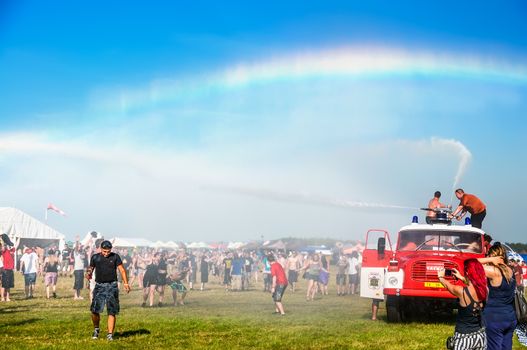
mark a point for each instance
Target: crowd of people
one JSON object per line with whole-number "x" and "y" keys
{"x": 486, "y": 317}
{"x": 155, "y": 270}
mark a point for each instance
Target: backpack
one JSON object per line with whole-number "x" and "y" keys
{"x": 520, "y": 306}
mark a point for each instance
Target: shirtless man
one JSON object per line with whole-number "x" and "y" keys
{"x": 292, "y": 266}
{"x": 434, "y": 203}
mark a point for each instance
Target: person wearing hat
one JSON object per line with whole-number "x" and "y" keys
{"x": 106, "y": 291}
{"x": 29, "y": 264}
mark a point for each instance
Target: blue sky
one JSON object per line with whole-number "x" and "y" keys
{"x": 224, "y": 121}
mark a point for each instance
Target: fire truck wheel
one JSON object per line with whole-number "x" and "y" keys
{"x": 393, "y": 309}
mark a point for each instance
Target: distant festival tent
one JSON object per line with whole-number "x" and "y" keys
{"x": 89, "y": 237}
{"x": 218, "y": 246}
{"x": 175, "y": 245}
{"x": 235, "y": 245}
{"x": 253, "y": 245}
{"x": 128, "y": 242}
{"x": 122, "y": 242}
{"x": 280, "y": 245}
{"x": 322, "y": 249}
{"x": 348, "y": 249}
{"x": 198, "y": 245}
{"x": 32, "y": 232}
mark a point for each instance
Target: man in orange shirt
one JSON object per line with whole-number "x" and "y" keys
{"x": 472, "y": 204}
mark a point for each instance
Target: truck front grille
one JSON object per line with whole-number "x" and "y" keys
{"x": 426, "y": 271}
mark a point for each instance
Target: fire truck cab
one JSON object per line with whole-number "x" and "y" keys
{"x": 407, "y": 273}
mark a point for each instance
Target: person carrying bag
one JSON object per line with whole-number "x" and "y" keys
{"x": 469, "y": 332}
{"x": 520, "y": 307}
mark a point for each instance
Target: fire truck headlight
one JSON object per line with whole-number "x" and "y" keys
{"x": 393, "y": 281}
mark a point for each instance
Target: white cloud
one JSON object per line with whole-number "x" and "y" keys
{"x": 309, "y": 156}
{"x": 175, "y": 196}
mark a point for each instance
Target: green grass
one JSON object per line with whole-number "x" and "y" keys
{"x": 213, "y": 319}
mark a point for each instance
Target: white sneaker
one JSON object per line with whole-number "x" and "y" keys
{"x": 95, "y": 334}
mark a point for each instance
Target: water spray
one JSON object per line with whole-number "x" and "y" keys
{"x": 304, "y": 198}
{"x": 464, "y": 159}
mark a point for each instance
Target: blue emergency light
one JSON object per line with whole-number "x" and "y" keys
{"x": 415, "y": 220}
{"x": 467, "y": 221}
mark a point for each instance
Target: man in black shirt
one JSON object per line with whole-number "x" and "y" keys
{"x": 106, "y": 290}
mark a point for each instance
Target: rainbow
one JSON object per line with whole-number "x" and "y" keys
{"x": 368, "y": 62}
{"x": 359, "y": 63}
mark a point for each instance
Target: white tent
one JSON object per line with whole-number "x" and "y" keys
{"x": 174, "y": 245}
{"x": 158, "y": 244}
{"x": 32, "y": 232}
{"x": 198, "y": 245}
{"x": 235, "y": 245}
{"x": 124, "y": 242}
{"x": 91, "y": 238}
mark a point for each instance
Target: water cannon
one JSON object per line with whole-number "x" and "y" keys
{"x": 442, "y": 215}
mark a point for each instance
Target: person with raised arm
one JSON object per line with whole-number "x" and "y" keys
{"x": 473, "y": 205}
{"x": 472, "y": 295}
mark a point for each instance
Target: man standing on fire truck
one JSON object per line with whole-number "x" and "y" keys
{"x": 472, "y": 204}
{"x": 434, "y": 203}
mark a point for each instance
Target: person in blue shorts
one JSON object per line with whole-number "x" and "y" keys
{"x": 106, "y": 291}
{"x": 175, "y": 282}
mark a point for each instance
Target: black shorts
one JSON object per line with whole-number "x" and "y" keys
{"x": 161, "y": 280}
{"x": 227, "y": 277}
{"x": 376, "y": 302}
{"x": 341, "y": 279}
{"x": 477, "y": 219}
{"x": 105, "y": 294}
{"x": 79, "y": 279}
{"x": 279, "y": 292}
{"x": 292, "y": 276}
{"x": 8, "y": 279}
{"x": 149, "y": 279}
{"x": 204, "y": 277}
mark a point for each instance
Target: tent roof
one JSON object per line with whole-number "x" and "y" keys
{"x": 275, "y": 245}
{"x": 131, "y": 242}
{"x": 16, "y": 223}
{"x": 198, "y": 245}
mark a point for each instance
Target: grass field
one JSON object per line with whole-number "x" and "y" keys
{"x": 213, "y": 319}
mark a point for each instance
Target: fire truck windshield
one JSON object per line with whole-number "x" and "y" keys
{"x": 413, "y": 240}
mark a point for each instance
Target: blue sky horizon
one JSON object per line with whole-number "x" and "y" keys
{"x": 229, "y": 122}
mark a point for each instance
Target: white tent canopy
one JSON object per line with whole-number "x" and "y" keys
{"x": 124, "y": 242}
{"x": 198, "y": 245}
{"x": 174, "y": 245}
{"x": 89, "y": 238}
{"x": 235, "y": 245}
{"x": 18, "y": 224}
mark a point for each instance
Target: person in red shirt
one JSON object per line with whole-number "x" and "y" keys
{"x": 8, "y": 276}
{"x": 279, "y": 284}
{"x": 524, "y": 273}
{"x": 473, "y": 205}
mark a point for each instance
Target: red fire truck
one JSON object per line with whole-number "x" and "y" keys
{"x": 405, "y": 276}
